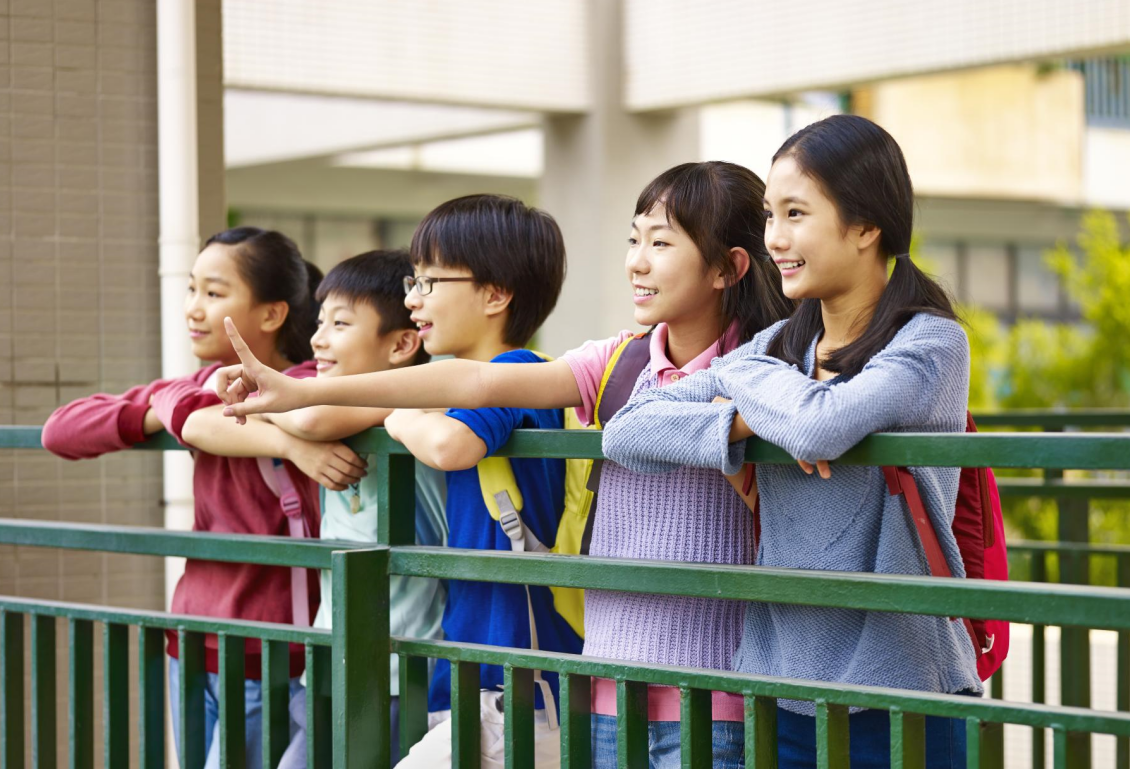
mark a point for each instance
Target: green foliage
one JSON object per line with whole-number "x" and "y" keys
{"x": 1037, "y": 364}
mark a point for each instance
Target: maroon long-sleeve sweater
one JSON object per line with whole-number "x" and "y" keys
{"x": 230, "y": 497}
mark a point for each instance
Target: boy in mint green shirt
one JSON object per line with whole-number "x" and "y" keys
{"x": 363, "y": 326}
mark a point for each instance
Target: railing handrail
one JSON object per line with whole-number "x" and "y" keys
{"x": 1053, "y": 451}
{"x": 1051, "y": 604}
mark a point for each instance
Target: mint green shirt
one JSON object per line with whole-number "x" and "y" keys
{"x": 416, "y": 604}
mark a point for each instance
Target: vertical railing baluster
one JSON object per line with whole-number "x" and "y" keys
{"x": 413, "y": 693}
{"x": 576, "y": 721}
{"x": 465, "y": 724}
{"x": 150, "y": 697}
{"x": 695, "y": 728}
{"x": 1074, "y": 642}
{"x": 192, "y": 681}
{"x": 233, "y": 718}
{"x": 1061, "y": 748}
{"x": 80, "y": 688}
{"x": 832, "y": 738}
{"x": 361, "y": 653}
{"x": 11, "y": 690}
{"x": 276, "y": 701}
{"x": 631, "y": 725}
{"x": 973, "y": 743}
{"x": 1122, "y": 685}
{"x": 908, "y": 740}
{"x": 115, "y": 694}
{"x": 320, "y": 734}
{"x": 760, "y": 732}
{"x": 1039, "y": 664}
{"x": 518, "y": 706}
{"x": 43, "y": 692}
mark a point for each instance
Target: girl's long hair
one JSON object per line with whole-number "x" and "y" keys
{"x": 862, "y": 170}
{"x": 719, "y": 206}
{"x": 272, "y": 266}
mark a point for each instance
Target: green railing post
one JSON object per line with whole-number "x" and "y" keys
{"x": 361, "y": 649}
{"x": 151, "y": 697}
{"x": 115, "y": 694}
{"x": 1122, "y": 685}
{"x": 232, "y": 717}
{"x": 11, "y": 690}
{"x": 1074, "y": 642}
{"x": 576, "y": 721}
{"x": 760, "y": 732}
{"x": 80, "y": 708}
{"x": 275, "y": 701}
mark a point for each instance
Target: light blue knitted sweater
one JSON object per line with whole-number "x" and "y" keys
{"x": 917, "y": 383}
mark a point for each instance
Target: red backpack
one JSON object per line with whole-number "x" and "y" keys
{"x": 978, "y": 527}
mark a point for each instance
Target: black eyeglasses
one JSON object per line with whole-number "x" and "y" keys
{"x": 423, "y": 284}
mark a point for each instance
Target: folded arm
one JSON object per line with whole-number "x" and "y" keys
{"x": 436, "y": 439}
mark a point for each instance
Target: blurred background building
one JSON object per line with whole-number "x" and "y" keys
{"x": 129, "y": 130}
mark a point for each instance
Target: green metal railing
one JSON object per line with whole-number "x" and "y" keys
{"x": 347, "y": 702}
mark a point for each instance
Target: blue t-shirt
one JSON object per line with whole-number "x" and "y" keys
{"x": 494, "y": 613}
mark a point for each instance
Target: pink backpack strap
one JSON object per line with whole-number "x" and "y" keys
{"x": 278, "y": 480}
{"x": 901, "y": 481}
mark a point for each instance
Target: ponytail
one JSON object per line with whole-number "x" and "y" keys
{"x": 909, "y": 292}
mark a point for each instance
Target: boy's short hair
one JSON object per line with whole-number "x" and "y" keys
{"x": 375, "y": 278}
{"x": 503, "y": 243}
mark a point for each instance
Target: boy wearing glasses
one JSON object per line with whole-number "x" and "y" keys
{"x": 488, "y": 271}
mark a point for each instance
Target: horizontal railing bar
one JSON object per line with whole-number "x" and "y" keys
{"x": 269, "y": 631}
{"x": 1053, "y": 418}
{"x": 1037, "y": 546}
{"x": 1027, "y": 602}
{"x": 200, "y": 545}
{"x": 1055, "y": 451}
{"x": 945, "y": 705}
{"x": 1059, "y": 489}
{"x": 1014, "y": 601}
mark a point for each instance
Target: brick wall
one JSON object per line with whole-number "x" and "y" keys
{"x": 78, "y": 282}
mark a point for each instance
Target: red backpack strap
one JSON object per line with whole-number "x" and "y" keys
{"x": 278, "y": 480}
{"x": 901, "y": 481}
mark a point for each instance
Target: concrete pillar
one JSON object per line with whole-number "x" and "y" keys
{"x": 596, "y": 165}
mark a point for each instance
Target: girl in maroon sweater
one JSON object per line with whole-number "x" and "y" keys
{"x": 259, "y": 278}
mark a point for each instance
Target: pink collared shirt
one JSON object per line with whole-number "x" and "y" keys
{"x": 588, "y": 364}
{"x": 589, "y": 361}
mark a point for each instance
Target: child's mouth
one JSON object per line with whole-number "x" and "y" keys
{"x": 423, "y": 328}
{"x": 792, "y": 267}
{"x": 642, "y": 295}
{"x": 197, "y": 333}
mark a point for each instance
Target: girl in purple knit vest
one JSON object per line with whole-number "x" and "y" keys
{"x": 702, "y": 281}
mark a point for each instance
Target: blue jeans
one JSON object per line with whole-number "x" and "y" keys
{"x": 253, "y": 708}
{"x": 870, "y": 737}
{"x": 663, "y": 744}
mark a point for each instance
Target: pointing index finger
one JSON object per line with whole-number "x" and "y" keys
{"x": 241, "y": 348}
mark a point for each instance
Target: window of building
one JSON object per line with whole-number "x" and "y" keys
{"x": 985, "y": 277}
{"x": 1037, "y": 287}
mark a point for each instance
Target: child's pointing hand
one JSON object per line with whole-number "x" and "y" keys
{"x": 234, "y": 384}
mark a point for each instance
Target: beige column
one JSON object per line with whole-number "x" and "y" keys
{"x": 596, "y": 165}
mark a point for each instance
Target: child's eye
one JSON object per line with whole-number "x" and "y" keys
{"x": 794, "y": 213}
{"x": 659, "y": 244}
{"x": 214, "y": 295}
{"x": 632, "y": 242}
{"x": 192, "y": 289}
{"x": 768, "y": 213}
{"x": 340, "y": 323}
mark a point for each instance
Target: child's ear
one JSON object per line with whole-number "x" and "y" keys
{"x": 740, "y": 259}
{"x": 274, "y": 316}
{"x": 866, "y": 236}
{"x": 498, "y": 299}
{"x": 406, "y": 343}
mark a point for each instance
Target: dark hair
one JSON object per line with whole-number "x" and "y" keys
{"x": 718, "y": 205}
{"x": 375, "y": 278}
{"x": 862, "y": 171}
{"x": 503, "y": 243}
{"x": 271, "y": 265}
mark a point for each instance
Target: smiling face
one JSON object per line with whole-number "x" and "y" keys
{"x": 819, "y": 258}
{"x": 670, "y": 282}
{"x": 349, "y": 338}
{"x": 215, "y": 290}
{"x": 454, "y": 318}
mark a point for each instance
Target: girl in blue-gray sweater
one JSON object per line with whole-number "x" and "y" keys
{"x": 863, "y": 353}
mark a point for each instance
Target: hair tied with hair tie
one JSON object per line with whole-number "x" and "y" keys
{"x": 902, "y": 256}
